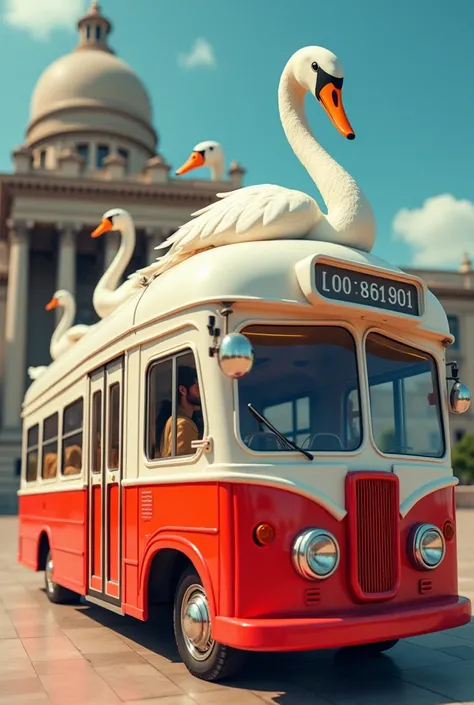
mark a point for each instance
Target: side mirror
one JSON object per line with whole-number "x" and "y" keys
{"x": 459, "y": 398}
{"x": 235, "y": 355}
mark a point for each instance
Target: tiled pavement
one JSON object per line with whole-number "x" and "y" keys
{"x": 63, "y": 655}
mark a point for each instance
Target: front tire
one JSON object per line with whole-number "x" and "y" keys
{"x": 57, "y": 594}
{"x": 202, "y": 656}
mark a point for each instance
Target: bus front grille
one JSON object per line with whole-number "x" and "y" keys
{"x": 374, "y": 535}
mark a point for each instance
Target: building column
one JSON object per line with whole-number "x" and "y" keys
{"x": 16, "y": 322}
{"x": 66, "y": 272}
{"x": 154, "y": 237}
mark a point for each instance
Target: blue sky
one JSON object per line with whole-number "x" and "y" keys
{"x": 408, "y": 92}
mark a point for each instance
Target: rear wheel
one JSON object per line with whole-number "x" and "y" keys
{"x": 203, "y": 657}
{"x": 56, "y": 593}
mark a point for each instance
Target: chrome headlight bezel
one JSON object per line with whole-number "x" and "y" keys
{"x": 301, "y": 556}
{"x": 418, "y": 550}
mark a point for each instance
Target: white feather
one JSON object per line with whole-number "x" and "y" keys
{"x": 251, "y": 213}
{"x": 267, "y": 211}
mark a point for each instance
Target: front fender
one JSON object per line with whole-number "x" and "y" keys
{"x": 161, "y": 541}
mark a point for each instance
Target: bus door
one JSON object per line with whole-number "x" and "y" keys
{"x": 105, "y": 474}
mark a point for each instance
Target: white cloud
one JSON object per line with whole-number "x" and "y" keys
{"x": 201, "y": 54}
{"x": 40, "y": 17}
{"x": 439, "y": 232}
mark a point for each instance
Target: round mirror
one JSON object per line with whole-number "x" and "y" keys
{"x": 235, "y": 355}
{"x": 459, "y": 398}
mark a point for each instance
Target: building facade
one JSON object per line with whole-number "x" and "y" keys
{"x": 455, "y": 290}
{"x": 90, "y": 145}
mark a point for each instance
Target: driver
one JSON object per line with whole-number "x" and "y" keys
{"x": 188, "y": 402}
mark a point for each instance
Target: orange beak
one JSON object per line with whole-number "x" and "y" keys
{"x": 104, "y": 227}
{"x": 331, "y": 99}
{"x": 194, "y": 162}
{"x": 54, "y": 303}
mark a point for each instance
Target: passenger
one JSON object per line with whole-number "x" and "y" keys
{"x": 188, "y": 402}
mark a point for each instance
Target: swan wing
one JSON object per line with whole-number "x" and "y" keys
{"x": 77, "y": 332}
{"x": 251, "y": 213}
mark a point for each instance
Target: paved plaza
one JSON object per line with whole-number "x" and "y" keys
{"x": 65, "y": 655}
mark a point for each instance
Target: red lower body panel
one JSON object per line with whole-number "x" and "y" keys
{"x": 336, "y": 632}
{"x": 60, "y": 519}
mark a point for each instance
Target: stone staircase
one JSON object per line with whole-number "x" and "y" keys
{"x": 10, "y": 452}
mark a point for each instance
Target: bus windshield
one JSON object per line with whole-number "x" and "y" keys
{"x": 404, "y": 398}
{"x": 305, "y": 382}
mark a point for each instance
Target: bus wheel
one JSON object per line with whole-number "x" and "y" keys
{"x": 56, "y": 593}
{"x": 203, "y": 657}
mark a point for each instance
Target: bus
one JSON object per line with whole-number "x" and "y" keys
{"x": 259, "y": 438}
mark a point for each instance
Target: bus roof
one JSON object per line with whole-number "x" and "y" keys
{"x": 252, "y": 271}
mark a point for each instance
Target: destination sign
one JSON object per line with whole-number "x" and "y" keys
{"x": 366, "y": 289}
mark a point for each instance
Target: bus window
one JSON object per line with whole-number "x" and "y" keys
{"x": 291, "y": 418}
{"x": 174, "y": 407}
{"x": 353, "y": 428}
{"x": 32, "y": 443}
{"x": 50, "y": 447}
{"x": 72, "y": 438}
{"x": 404, "y": 398}
{"x": 96, "y": 431}
{"x": 300, "y": 381}
{"x": 114, "y": 427}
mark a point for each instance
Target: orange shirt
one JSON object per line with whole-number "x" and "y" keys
{"x": 186, "y": 431}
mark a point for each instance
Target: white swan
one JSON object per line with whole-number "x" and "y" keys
{"x": 106, "y": 296}
{"x": 209, "y": 154}
{"x": 271, "y": 212}
{"x": 65, "y": 336}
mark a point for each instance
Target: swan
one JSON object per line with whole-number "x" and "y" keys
{"x": 209, "y": 154}
{"x": 65, "y": 336}
{"x": 106, "y": 296}
{"x": 273, "y": 212}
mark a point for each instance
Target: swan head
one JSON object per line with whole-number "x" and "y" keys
{"x": 114, "y": 219}
{"x": 207, "y": 153}
{"x": 60, "y": 298}
{"x": 319, "y": 71}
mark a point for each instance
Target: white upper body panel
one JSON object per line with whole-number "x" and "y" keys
{"x": 275, "y": 272}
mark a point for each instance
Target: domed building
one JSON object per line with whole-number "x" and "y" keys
{"x": 90, "y": 145}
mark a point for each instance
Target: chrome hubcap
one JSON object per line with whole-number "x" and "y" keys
{"x": 49, "y": 575}
{"x": 196, "y": 623}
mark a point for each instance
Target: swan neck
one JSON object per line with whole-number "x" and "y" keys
{"x": 217, "y": 171}
{"x": 66, "y": 320}
{"x": 348, "y": 210}
{"x": 113, "y": 273}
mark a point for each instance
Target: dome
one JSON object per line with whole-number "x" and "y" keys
{"x": 91, "y": 95}
{"x": 88, "y": 79}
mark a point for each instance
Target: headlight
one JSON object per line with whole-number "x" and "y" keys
{"x": 315, "y": 554}
{"x": 428, "y": 546}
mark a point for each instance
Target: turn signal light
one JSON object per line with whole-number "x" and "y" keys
{"x": 448, "y": 530}
{"x": 263, "y": 534}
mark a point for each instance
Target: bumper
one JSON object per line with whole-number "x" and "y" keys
{"x": 335, "y": 632}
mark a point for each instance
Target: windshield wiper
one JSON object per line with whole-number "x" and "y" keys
{"x": 289, "y": 444}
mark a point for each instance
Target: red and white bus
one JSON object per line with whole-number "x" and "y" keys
{"x": 314, "y": 505}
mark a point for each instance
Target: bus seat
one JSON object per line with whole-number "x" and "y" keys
{"x": 50, "y": 465}
{"x": 263, "y": 441}
{"x": 323, "y": 441}
{"x": 72, "y": 460}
